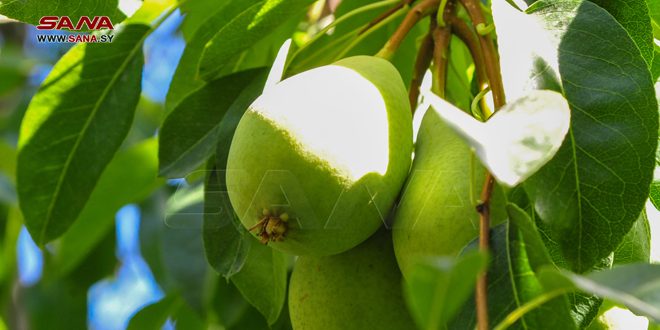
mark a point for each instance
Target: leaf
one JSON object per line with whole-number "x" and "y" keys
{"x": 654, "y": 194}
{"x": 538, "y": 254}
{"x": 512, "y": 282}
{"x": 129, "y": 178}
{"x": 437, "y": 287}
{"x": 73, "y": 127}
{"x": 170, "y": 243}
{"x": 190, "y": 132}
{"x": 636, "y": 285}
{"x": 54, "y": 305}
{"x": 636, "y": 245}
{"x": 244, "y": 29}
{"x": 181, "y": 246}
{"x": 518, "y": 139}
{"x": 196, "y": 13}
{"x": 262, "y": 280}
{"x": 185, "y": 77}
{"x": 31, "y": 11}
{"x": 225, "y": 241}
{"x": 155, "y": 315}
{"x": 654, "y": 10}
{"x": 633, "y": 15}
{"x": 172, "y": 307}
{"x": 590, "y": 194}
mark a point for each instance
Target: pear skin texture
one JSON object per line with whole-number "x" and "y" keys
{"x": 437, "y": 215}
{"x": 358, "y": 289}
{"x": 330, "y": 147}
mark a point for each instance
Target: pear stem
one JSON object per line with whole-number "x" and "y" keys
{"x": 492, "y": 68}
{"x": 422, "y": 62}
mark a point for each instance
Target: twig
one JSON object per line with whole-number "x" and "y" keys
{"x": 386, "y": 14}
{"x": 418, "y": 12}
{"x": 489, "y": 53}
{"x": 484, "y": 238}
{"x": 441, "y": 39}
{"x": 422, "y": 62}
{"x": 468, "y": 37}
{"x": 492, "y": 67}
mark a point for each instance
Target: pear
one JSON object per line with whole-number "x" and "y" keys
{"x": 318, "y": 159}
{"x": 358, "y": 289}
{"x": 437, "y": 215}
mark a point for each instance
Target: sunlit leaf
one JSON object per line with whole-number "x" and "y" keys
{"x": 73, "y": 127}
{"x": 518, "y": 139}
{"x": 590, "y": 194}
{"x": 636, "y": 285}
{"x": 633, "y": 15}
{"x": 636, "y": 245}
{"x": 246, "y": 27}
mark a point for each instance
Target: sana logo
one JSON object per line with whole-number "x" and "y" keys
{"x": 84, "y": 22}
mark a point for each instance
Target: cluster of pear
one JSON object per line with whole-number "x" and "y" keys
{"x": 321, "y": 166}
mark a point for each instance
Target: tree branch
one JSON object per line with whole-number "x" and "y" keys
{"x": 492, "y": 67}
{"x": 468, "y": 37}
{"x": 422, "y": 62}
{"x": 491, "y": 58}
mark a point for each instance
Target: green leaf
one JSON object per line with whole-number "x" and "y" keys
{"x": 541, "y": 247}
{"x": 636, "y": 245}
{"x": 129, "y": 178}
{"x": 229, "y": 304}
{"x": 633, "y": 15}
{"x": 181, "y": 246}
{"x": 154, "y": 316}
{"x": 438, "y": 287}
{"x": 538, "y": 254}
{"x": 518, "y": 139}
{"x": 512, "y": 282}
{"x": 636, "y": 285}
{"x": 244, "y": 29}
{"x": 190, "y": 132}
{"x": 171, "y": 244}
{"x": 654, "y": 10}
{"x": 262, "y": 280}
{"x": 654, "y": 194}
{"x": 196, "y": 13}
{"x": 590, "y": 194}
{"x": 225, "y": 239}
{"x": 351, "y": 17}
{"x": 54, "y": 305}
{"x": 73, "y": 127}
{"x": 185, "y": 77}
{"x": 31, "y": 11}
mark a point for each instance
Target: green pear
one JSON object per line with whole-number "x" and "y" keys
{"x": 437, "y": 215}
{"x": 358, "y": 289}
{"x": 318, "y": 160}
